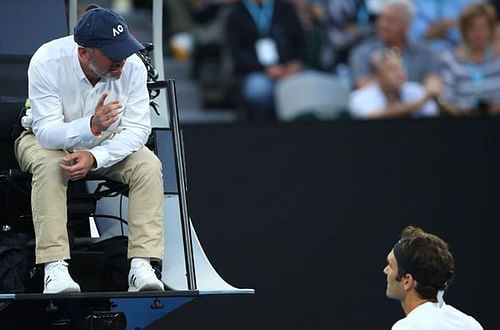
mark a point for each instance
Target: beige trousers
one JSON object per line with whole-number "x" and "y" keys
{"x": 141, "y": 171}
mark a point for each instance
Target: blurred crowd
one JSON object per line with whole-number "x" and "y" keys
{"x": 382, "y": 58}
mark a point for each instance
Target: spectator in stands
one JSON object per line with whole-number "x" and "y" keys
{"x": 267, "y": 44}
{"x": 347, "y": 23}
{"x": 311, "y": 14}
{"x": 419, "y": 269}
{"x": 178, "y": 17}
{"x": 391, "y": 95}
{"x": 471, "y": 72}
{"x": 90, "y": 113}
{"x": 391, "y": 27}
{"x": 435, "y": 21}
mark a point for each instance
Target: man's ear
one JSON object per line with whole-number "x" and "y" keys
{"x": 83, "y": 53}
{"x": 408, "y": 282}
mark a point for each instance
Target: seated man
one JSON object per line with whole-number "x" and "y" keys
{"x": 267, "y": 44}
{"x": 419, "y": 269}
{"x": 392, "y": 25}
{"x": 90, "y": 112}
{"x": 391, "y": 95}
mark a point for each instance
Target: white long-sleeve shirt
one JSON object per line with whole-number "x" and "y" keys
{"x": 432, "y": 316}
{"x": 370, "y": 99}
{"x": 63, "y": 102}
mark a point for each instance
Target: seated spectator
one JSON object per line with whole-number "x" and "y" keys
{"x": 267, "y": 44}
{"x": 392, "y": 25}
{"x": 347, "y": 22}
{"x": 311, "y": 14}
{"x": 436, "y": 22}
{"x": 391, "y": 95}
{"x": 471, "y": 72}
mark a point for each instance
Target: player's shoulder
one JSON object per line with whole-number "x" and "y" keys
{"x": 457, "y": 314}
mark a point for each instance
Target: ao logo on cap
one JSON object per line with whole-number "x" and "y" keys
{"x": 117, "y": 30}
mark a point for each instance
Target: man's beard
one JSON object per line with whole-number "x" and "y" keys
{"x": 100, "y": 73}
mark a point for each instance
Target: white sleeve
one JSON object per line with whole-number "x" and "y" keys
{"x": 358, "y": 105}
{"x": 429, "y": 109}
{"x": 48, "y": 120}
{"x": 135, "y": 124}
{"x": 414, "y": 92}
{"x": 475, "y": 325}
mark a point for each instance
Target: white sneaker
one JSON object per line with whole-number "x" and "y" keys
{"x": 57, "y": 278}
{"x": 142, "y": 277}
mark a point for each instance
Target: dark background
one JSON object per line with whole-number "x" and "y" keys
{"x": 306, "y": 213}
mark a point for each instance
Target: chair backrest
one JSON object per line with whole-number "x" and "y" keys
{"x": 311, "y": 94}
{"x": 26, "y": 25}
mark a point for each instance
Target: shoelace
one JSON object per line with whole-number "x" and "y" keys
{"x": 57, "y": 268}
{"x": 57, "y": 265}
{"x": 141, "y": 267}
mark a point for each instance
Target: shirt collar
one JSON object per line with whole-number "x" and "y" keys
{"x": 77, "y": 68}
{"x": 422, "y": 308}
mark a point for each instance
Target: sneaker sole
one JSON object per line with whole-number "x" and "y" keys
{"x": 149, "y": 287}
{"x": 67, "y": 290}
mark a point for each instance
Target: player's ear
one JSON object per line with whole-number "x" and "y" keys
{"x": 408, "y": 282}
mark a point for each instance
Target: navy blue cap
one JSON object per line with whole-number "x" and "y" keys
{"x": 107, "y": 31}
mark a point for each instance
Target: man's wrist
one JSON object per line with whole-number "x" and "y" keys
{"x": 94, "y": 132}
{"x": 94, "y": 161}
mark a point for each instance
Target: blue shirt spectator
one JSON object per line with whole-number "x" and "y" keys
{"x": 436, "y": 22}
{"x": 267, "y": 43}
{"x": 471, "y": 72}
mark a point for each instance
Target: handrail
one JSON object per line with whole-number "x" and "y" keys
{"x": 181, "y": 182}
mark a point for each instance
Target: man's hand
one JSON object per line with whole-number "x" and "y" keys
{"x": 104, "y": 115}
{"x": 440, "y": 29}
{"x": 275, "y": 71}
{"x": 76, "y": 165}
{"x": 293, "y": 67}
{"x": 494, "y": 109}
{"x": 433, "y": 86}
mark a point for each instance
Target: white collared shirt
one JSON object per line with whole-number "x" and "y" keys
{"x": 431, "y": 316}
{"x": 63, "y": 102}
{"x": 370, "y": 99}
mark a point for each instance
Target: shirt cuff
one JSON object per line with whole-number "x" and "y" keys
{"x": 101, "y": 156}
{"x": 81, "y": 128}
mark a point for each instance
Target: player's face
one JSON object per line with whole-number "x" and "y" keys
{"x": 104, "y": 67}
{"x": 395, "y": 289}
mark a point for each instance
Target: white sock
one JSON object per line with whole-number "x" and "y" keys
{"x": 137, "y": 261}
